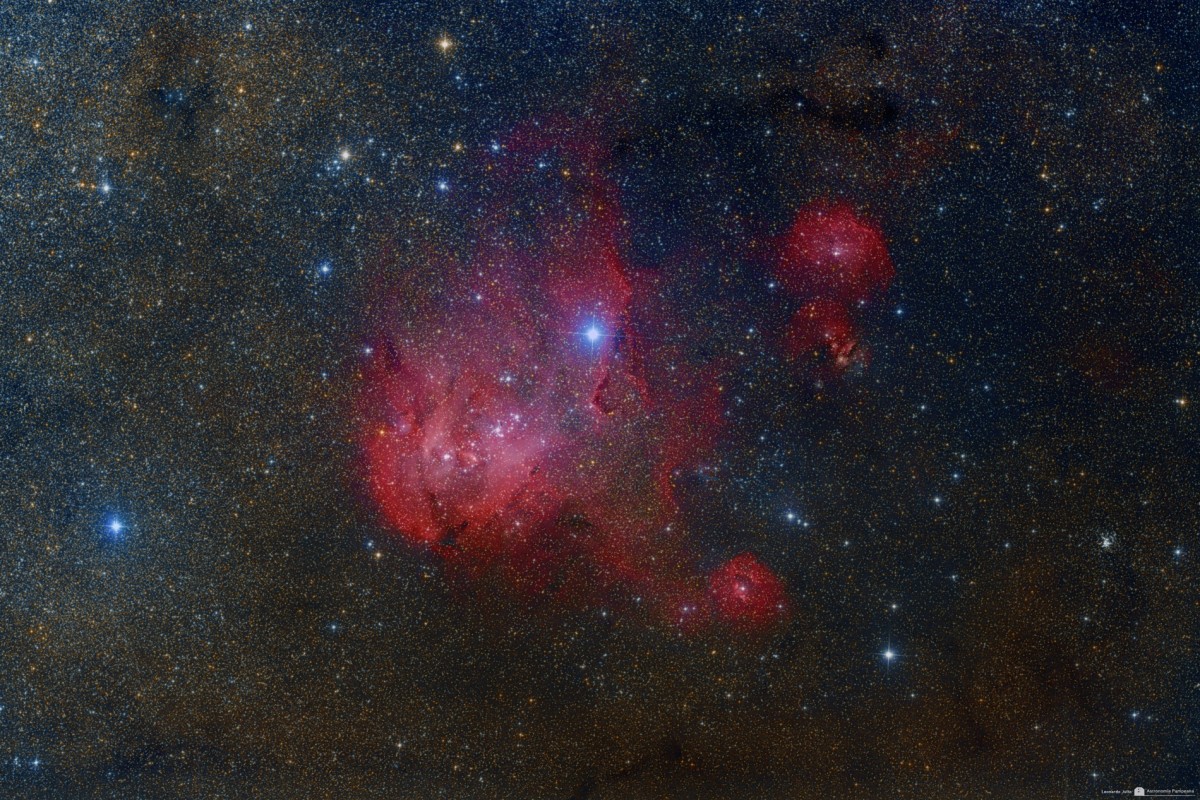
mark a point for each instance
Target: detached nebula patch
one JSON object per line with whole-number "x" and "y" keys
{"x": 836, "y": 262}
{"x": 526, "y": 424}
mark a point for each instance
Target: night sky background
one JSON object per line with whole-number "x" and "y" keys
{"x": 225, "y": 225}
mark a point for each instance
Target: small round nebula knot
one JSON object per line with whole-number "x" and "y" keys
{"x": 830, "y": 252}
{"x": 747, "y": 595}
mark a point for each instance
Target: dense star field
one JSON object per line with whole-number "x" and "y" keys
{"x": 596, "y": 400}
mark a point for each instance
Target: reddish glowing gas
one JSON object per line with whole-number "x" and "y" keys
{"x": 528, "y": 423}
{"x": 832, "y": 253}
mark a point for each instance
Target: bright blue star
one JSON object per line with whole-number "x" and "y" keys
{"x": 115, "y": 526}
{"x": 889, "y": 656}
{"x": 592, "y": 334}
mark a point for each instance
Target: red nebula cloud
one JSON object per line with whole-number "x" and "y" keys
{"x": 834, "y": 261}
{"x": 526, "y": 425}
{"x": 747, "y": 595}
{"x": 830, "y": 252}
{"x": 822, "y": 328}
{"x": 450, "y": 449}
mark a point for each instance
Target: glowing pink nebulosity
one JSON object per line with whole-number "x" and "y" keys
{"x": 526, "y": 425}
{"x": 833, "y": 261}
{"x": 830, "y": 252}
{"x": 747, "y": 595}
{"x": 823, "y": 328}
